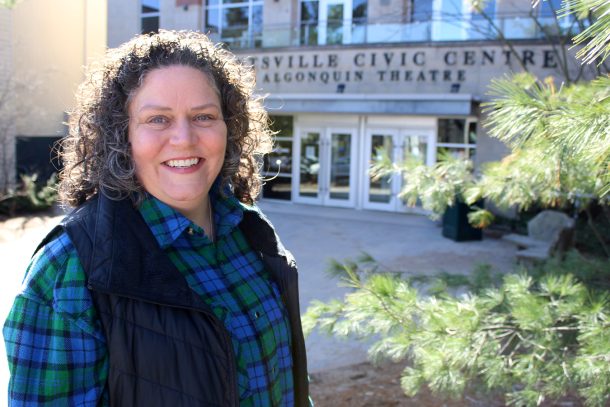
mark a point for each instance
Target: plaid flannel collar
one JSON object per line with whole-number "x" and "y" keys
{"x": 167, "y": 224}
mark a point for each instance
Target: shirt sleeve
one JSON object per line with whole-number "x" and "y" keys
{"x": 56, "y": 352}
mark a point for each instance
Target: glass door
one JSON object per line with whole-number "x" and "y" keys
{"x": 308, "y": 177}
{"x": 326, "y": 160}
{"x": 417, "y": 145}
{"x": 381, "y": 193}
{"x": 339, "y": 190}
{"x": 399, "y": 145}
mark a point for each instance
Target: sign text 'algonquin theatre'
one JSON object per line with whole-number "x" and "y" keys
{"x": 390, "y": 70}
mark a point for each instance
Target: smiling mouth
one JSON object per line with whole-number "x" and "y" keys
{"x": 189, "y": 162}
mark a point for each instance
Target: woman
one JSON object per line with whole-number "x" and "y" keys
{"x": 166, "y": 286}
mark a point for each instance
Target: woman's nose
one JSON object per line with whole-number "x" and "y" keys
{"x": 182, "y": 133}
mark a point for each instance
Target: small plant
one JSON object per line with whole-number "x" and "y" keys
{"x": 435, "y": 187}
{"x": 533, "y": 337}
{"x": 29, "y": 197}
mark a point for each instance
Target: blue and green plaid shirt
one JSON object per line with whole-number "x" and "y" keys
{"x": 55, "y": 345}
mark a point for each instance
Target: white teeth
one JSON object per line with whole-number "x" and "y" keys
{"x": 182, "y": 163}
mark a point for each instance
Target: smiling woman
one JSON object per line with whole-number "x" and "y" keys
{"x": 178, "y": 139}
{"x": 166, "y": 285}
{"x": 93, "y": 162}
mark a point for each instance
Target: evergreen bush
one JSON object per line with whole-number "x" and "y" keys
{"x": 536, "y": 336}
{"x": 29, "y": 197}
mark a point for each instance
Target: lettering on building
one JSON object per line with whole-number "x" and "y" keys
{"x": 430, "y": 66}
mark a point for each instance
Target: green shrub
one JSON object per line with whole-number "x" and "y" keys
{"x": 534, "y": 337}
{"x": 29, "y": 197}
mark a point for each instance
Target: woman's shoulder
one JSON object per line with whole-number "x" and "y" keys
{"x": 55, "y": 277}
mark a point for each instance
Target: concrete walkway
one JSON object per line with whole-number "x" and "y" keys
{"x": 411, "y": 243}
{"x": 405, "y": 242}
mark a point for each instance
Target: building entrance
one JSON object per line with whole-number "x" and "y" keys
{"x": 332, "y": 157}
{"x": 397, "y": 145}
{"x": 326, "y": 166}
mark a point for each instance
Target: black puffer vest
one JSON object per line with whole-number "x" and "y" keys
{"x": 166, "y": 347}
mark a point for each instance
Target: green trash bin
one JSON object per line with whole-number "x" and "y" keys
{"x": 456, "y": 226}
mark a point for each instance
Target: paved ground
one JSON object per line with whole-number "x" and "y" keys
{"x": 315, "y": 235}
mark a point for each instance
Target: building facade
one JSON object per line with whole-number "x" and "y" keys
{"x": 344, "y": 79}
{"x": 43, "y": 49}
{"x": 7, "y": 131}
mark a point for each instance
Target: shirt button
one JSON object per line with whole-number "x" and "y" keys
{"x": 190, "y": 231}
{"x": 257, "y": 314}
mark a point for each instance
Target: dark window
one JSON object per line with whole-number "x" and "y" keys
{"x": 37, "y": 155}
{"x": 309, "y": 22}
{"x": 149, "y": 16}
{"x": 457, "y": 137}
{"x": 150, "y": 25}
{"x": 451, "y": 130}
{"x": 277, "y": 167}
{"x": 421, "y": 10}
{"x": 359, "y": 11}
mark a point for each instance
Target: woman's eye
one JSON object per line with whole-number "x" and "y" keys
{"x": 203, "y": 117}
{"x": 157, "y": 120}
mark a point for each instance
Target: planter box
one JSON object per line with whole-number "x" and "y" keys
{"x": 456, "y": 226}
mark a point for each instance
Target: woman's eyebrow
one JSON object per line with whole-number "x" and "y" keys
{"x": 154, "y": 107}
{"x": 206, "y": 106}
{"x": 166, "y": 108}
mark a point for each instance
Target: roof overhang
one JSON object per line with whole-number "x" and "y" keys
{"x": 407, "y": 104}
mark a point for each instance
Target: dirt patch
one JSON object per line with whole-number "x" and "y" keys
{"x": 368, "y": 385}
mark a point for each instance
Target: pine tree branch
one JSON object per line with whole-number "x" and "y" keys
{"x": 509, "y": 341}
{"x": 397, "y": 319}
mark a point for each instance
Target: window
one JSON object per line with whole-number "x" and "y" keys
{"x": 457, "y": 137}
{"x": 550, "y": 21}
{"x": 421, "y": 10}
{"x": 149, "y": 16}
{"x": 448, "y": 16}
{"x": 479, "y": 28}
{"x": 309, "y": 22}
{"x": 359, "y": 11}
{"x": 277, "y": 167}
{"x": 326, "y": 22}
{"x": 549, "y": 8}
{"x": 238, "y": 23}
{"x": 488, "y": 10}
{"x": 359, "y": 21}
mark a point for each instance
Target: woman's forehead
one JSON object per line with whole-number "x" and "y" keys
{"x": 175, "y": 85}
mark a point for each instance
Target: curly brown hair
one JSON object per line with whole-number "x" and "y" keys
{"x": 96, "y": 153}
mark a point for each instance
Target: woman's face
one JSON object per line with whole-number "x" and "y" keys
{"x": 178, "y": 137}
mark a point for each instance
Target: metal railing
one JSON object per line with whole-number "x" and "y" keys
{"x": 350, "y": 32}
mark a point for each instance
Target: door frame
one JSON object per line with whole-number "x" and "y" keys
{"x": 324, "y": 169}
{"x": 398, "y": 135}
{"x": 296, "y": 167}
